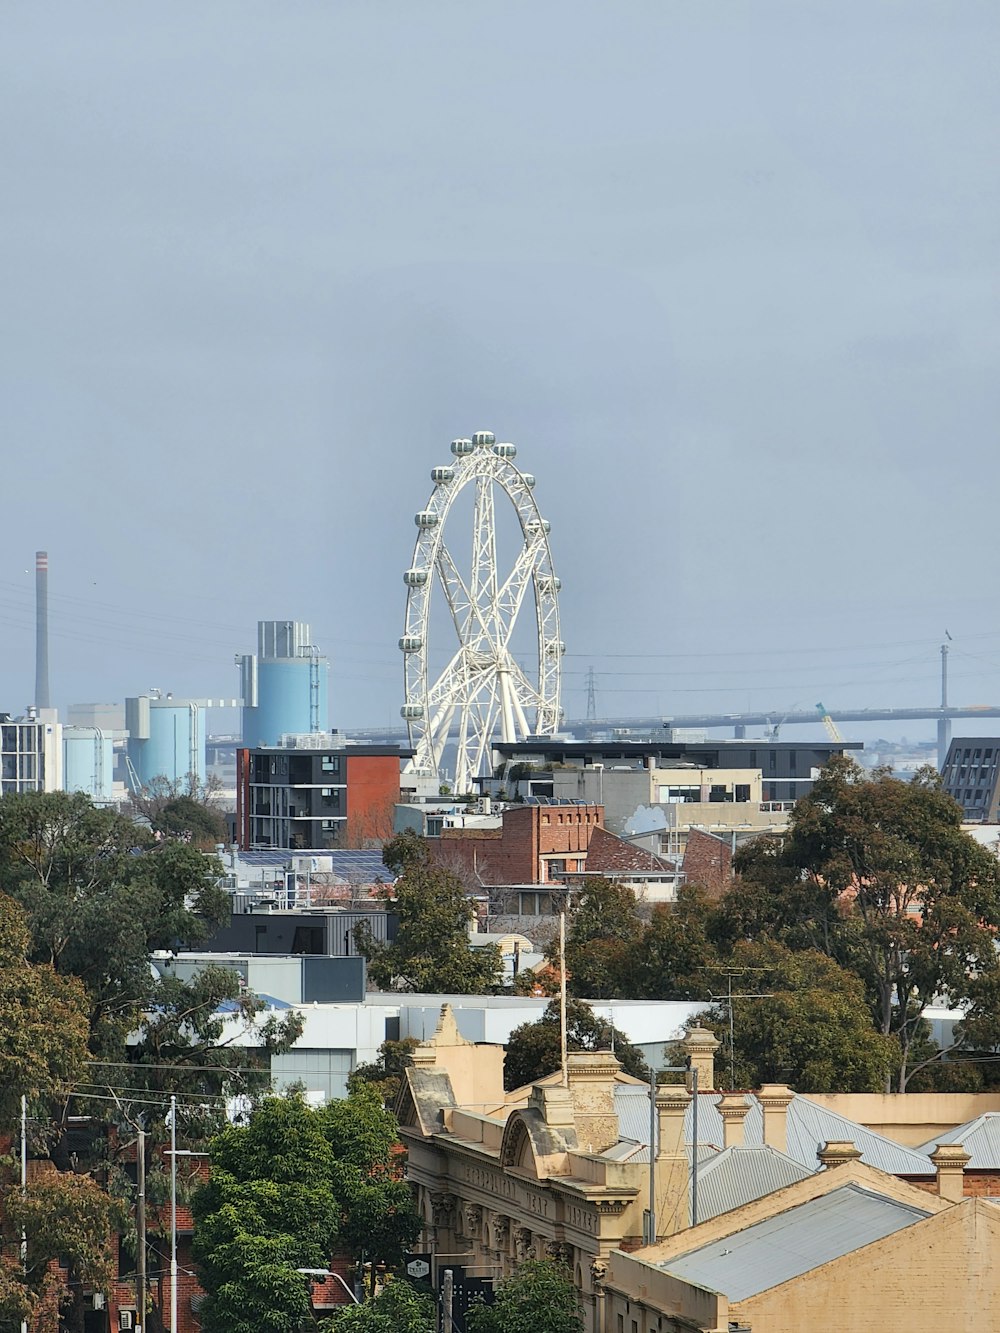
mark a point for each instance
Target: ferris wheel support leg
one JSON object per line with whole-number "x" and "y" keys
{"x": 508, "y": 730}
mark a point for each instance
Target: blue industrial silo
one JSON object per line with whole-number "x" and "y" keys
{"x": 89, "y": 762}
{"x": 285, "y": 684}
{"x": 166, "y": 739}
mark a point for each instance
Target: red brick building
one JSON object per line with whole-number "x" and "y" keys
{"x": 535, "y": 844}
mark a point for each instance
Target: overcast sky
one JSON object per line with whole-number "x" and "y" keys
{"x": 724, "y": 271}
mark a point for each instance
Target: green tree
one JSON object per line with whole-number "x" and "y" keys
{"x": 100, "y": 895}
{"x": 398, "y": 1308}
{"x": 43, "y": 1019}
{"x": 267, "y": 1209}
{"x": 431, "y": 951}
{"x": 885, "y": 881}
{"x": 674, "y": 953}
{"x": 69, "y": 1223}
{"x": 538, "y": 1298}
{"x": 533, "y": 1050}
{"x": 378, "y": 1220}
{"x": 601, "y": 941}
{"x": 811, "y": 1028}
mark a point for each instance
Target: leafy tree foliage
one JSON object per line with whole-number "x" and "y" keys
{"x": 378, "y": 1220}
{"x": 674, "y": 955}
{"x": 533, "y": 1050}
{"x": 267, "y": 1209}
{"x": 601, "y": 941}
{"x": 398, "y": 1308}
{"x": 282, "y": 1191}
{"x": 68, "y": 1221}
{"x": 878, "y": 874}
{"x": 538, "y": 1298}
{"x": 43, "y": 1018}
{"x": 100, "y": 895}
{"x": 431, "y": 951}
{"x": 812, "y": 1030}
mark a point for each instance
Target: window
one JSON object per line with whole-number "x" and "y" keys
{"x": 330, "y": 763}
{"x": 742, "y": 791}
{"x": 792, "y": 761}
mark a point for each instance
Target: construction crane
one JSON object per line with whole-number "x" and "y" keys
{"x": 831, "y": 726}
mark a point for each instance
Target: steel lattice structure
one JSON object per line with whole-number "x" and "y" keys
{"x": 483, "y": 689}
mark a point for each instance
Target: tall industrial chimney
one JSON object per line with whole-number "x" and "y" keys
{"x": 42, "y": 629}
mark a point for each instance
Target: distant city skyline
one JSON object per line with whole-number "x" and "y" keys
{"x": 726, "y": 275}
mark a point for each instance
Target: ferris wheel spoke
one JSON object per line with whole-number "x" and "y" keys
{"x": 463, "y": 608}
{"x": 484, "y": 545}
{"x": 511, "y": 595}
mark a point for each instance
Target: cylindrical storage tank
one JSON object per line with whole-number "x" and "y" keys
{"x": 460, "y": 448}
{"x": 411, "y": 643}
{"x": 88, "y": 763}
{"x": 287, "y": 703}
{"x": 505, "y": 450}
{"x": 442, "y": 474}
{"x": 483, "y": 437}
{"x": 411, "y": 712}
{"x": 415, "y": 578}
{"x": 175, "y": 748}
{"x": 426, "y": 518}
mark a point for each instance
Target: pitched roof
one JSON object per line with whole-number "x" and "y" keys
{"x": 611, "y": 855}
{"x": 980, "y": 1138}
{"x": 808, "y": 1127}
{"x": 738, "y": 1175}
{"x": 793, "y": 1242}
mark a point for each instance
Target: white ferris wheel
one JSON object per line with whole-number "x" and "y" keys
{"x": 483, "y": 690}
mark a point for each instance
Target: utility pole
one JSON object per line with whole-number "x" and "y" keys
{"x": 173, "y": 1213}
{"x": 24, "y": 1188}
{"x": 140, "y": 1226}
{"x": 563, "y": 1057}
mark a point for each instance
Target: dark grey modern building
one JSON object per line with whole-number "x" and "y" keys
{"x": 971, "y": 774}
{"x": 309, "y": 796}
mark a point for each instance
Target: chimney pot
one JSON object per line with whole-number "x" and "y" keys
{"x": 950, "y": 1161}
{"x": 699, "y": 1046}
{"x": 835, "y": 1152}
{"x": 733, "y": 1108}
{"x": 775, "y": 1099}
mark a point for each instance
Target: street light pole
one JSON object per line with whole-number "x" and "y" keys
{"x": 173, "y": 1213}
{"x": 140, "y": 1226}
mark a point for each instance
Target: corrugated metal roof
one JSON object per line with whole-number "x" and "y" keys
{"x": 809, "y": 1126}
{"x": 980, "y": 1138}
{"x": 793, "y": 1242}
{"x": 736, "y": 1176}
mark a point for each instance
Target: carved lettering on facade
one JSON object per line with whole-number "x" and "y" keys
{"x": 583, "y": 1219}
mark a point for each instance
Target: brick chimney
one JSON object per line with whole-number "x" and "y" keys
{"x": 733, "y": 1107}
{"x": 699, "y": 1046}
{"x": 775, "y": 1099}
{"x": 673, "y": 1211}
{"x": 591, "y": 1077}
{"x": 950, "y": 1160}
{"x": 836, "y": 1152}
